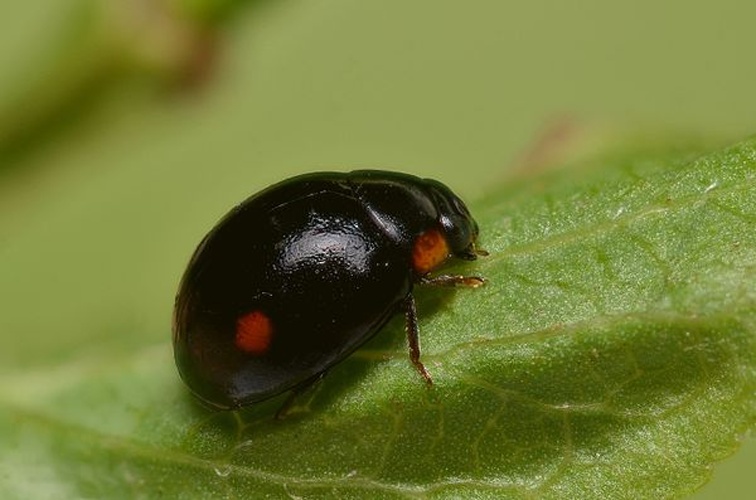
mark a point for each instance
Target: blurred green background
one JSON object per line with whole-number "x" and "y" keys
{"x": 127, "y": 128}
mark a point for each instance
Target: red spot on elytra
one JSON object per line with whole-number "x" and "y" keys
{"x": 254, "y": 331}
{"x": 429, "y": 251}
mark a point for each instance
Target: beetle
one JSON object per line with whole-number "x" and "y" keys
{"x": 297, "y": 277}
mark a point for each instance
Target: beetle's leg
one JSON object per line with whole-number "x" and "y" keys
{"x": 410, "y": 314}
{"x": 452, "y": 280}
{"x": 295, "y": 393}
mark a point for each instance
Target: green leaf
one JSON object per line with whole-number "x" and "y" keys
{"x": 612, "y": 353}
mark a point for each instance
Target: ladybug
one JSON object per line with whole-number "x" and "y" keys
{"x": 297, "y": 277}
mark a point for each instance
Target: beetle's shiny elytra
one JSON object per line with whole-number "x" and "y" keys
{"x": 298, "y": 276}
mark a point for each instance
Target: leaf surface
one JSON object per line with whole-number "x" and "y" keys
{"x": 612, "y": 353}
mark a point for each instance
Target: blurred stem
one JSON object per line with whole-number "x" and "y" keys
{"x": 102, "y": 41}
{"x": 207, "y": 11}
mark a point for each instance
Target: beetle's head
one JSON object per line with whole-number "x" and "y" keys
{"x": 459, "y": 227}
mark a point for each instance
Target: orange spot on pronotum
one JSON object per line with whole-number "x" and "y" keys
{"x": 254, "y": 331}
{"x": 429, "y": 251}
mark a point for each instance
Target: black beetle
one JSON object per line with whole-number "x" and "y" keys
{"x": 298, "y": 276}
